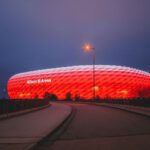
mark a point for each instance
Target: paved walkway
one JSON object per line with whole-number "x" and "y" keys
{"x": 103, "y": 128}
{"x": 21, "y": 132}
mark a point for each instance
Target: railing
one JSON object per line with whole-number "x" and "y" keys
{"x": 133, "y": 102}
{"x": 9, "y": 106}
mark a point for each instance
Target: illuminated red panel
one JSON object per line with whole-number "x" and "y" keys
{"x": 111, "y": 82}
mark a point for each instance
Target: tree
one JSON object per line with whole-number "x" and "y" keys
{"x": 68, "y": 96}
{"x": 36, "y": 96}
{"x": 50, "y": 96}
{"x": 77, "y": 97}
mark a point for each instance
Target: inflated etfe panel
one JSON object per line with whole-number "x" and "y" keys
{"x": 110, "y": 82}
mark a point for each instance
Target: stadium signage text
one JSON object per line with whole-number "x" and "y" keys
{"x": 38, "y": 81}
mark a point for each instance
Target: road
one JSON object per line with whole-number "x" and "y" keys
{"x": 97, "y": 127}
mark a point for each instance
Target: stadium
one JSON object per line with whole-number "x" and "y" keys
{"x": 115, "y": 82}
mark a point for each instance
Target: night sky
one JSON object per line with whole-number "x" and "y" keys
{"x": 39, "y": 34}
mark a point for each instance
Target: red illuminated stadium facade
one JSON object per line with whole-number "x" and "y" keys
{"x": 113, "y": 82}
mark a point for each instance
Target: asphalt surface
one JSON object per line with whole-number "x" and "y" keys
{"x": 23, "y": 131}
{"x": 97, "y": 127}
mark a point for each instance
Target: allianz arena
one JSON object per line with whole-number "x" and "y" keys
{"x": 115, "y": 82}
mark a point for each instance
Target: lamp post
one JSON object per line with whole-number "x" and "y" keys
{"x": 89, "y": 48}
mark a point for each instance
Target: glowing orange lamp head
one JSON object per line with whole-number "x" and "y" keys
{"x": 87, "y": 47}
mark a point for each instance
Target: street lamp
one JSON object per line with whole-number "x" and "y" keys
{"x": 88, "y": 47}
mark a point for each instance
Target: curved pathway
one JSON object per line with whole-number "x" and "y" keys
{"x": 96, "y": 127}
